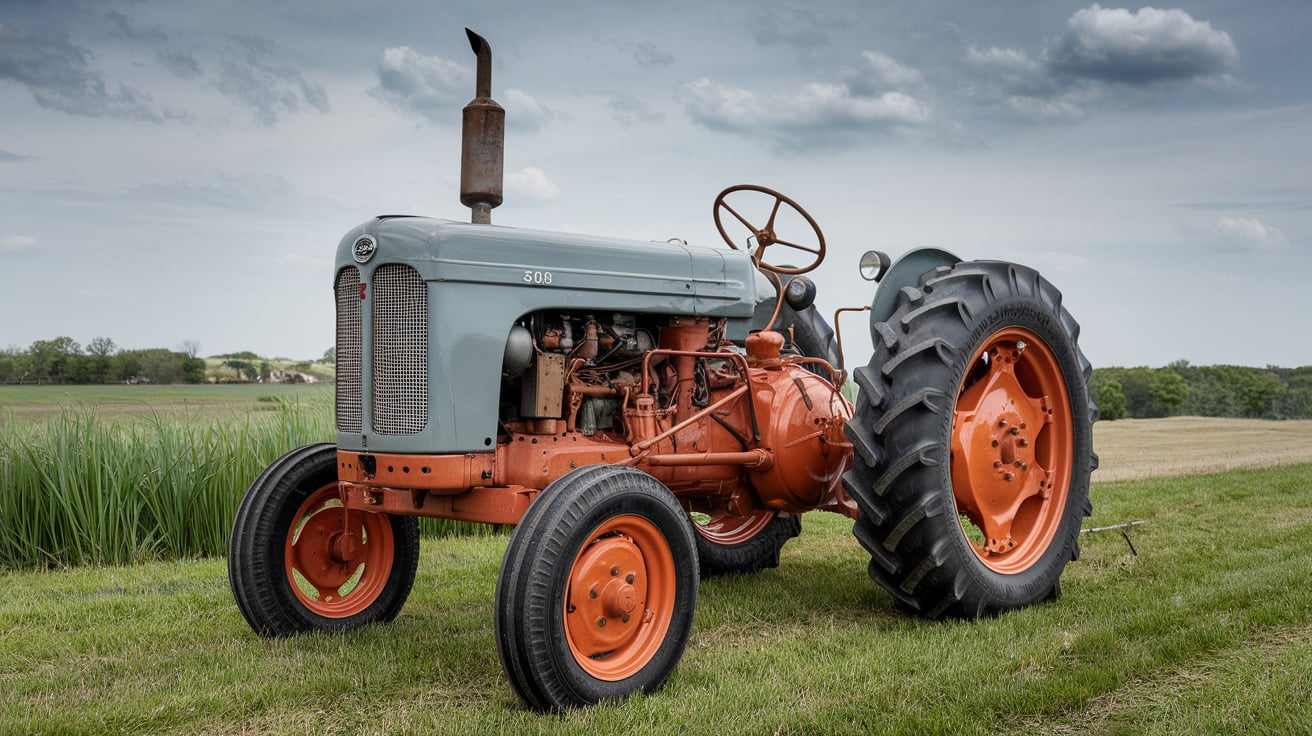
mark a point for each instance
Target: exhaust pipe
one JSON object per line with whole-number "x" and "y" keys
{"x": 483, "y": 141}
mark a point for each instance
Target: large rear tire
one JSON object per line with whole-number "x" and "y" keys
{"x": 973, "y": 442}
{"x": 299, "y": 561}
{"x": 597, "y": 589}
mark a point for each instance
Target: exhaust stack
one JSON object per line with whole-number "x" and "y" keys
{"x": 483, "y": 141}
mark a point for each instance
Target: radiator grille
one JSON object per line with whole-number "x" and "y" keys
{"x": 349, "y": 386}
{"x": 400, "y": 350}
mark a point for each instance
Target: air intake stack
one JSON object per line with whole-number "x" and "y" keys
{"x": 483, "y": 142}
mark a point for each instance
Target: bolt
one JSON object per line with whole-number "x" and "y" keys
{"x": 592, "y": 593}
{"x": 1002, "y": 422}
{"x": 1007, "y": 476}
{"x": 997, "y": 463}
{"x": 1020, "y": 346}
{"x": 1015, "y": 431}
{"x": 624, "y": 618}
{"x": 614, "y": 571}
{"x": 601, "y": 621}
{"x": 1024, "y": 442}
{"x": 995, "y": 443}
{"x": 628, "y": 578}
{"x": 1018, "y": 463}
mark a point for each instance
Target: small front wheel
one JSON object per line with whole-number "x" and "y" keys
{"x": 597, "y": 589}
{"x": 300, "y": 561}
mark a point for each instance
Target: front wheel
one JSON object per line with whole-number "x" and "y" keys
{"x": 597, "y": 589}
{"x": 300, "y": 561}
{"x": 973, "y": 439}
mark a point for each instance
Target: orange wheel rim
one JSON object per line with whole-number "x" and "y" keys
{"x": 723, "y": 528}
{"x": 620, "y": 599}
{"x": 337, "y": 561}
{"x": 1012, "y": 450}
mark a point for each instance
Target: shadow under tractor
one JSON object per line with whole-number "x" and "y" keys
{"x": 648, "y": 414}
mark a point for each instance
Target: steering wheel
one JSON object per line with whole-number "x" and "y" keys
{"x": 766, "y": 236}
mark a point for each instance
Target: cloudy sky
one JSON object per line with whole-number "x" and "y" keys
{"x": 174, "y": 172}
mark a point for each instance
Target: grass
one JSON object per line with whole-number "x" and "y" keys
{"x": 23, "y": 405}
{"x": 1207, "y": 629}
{"x": 100, "y": 481}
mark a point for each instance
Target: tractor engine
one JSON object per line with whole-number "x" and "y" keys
{"x": 741, "y": 428}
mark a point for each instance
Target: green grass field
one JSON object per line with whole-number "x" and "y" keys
{"x": 27, "y": 404}
{"x": 1207, "y": 629}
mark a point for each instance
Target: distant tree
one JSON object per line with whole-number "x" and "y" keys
{"x": 190, "y": 348}
{"x": 1109, "y": 397}
{"x": 54, "y": 361}
{"x": 10, "y": 365}
{"x": 330, "y": 356}
{"x": 100, "y": 349}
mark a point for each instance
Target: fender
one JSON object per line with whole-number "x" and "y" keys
{"x": 905, "y": 272}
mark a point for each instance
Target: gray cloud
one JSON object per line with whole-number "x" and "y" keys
{"x": 243, "y": 192}
{"x": 776, "y": 26}
{"x": 6, "y": 156}
{"x": 428, "y": 86}
{"x": 437, "y": 89}
{"x": 1102, "y": 53}
{"x": 629, "y": 110}
{"x": 818, "y": 115}
{"x": 267, "y": 89}
{"x": 181, "y": 64}
{"x": 60, "y": 76}
{"x": 1147, "y": 46}
{"x": 651, "y": 56}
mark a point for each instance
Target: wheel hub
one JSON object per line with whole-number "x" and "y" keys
{"x": 1008, "y": 446}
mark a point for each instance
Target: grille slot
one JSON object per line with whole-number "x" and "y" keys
{"x": 350, "y": 392}
{"x": 400, "y": 350}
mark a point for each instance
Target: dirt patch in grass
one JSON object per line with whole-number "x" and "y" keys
{"x": 1130, "y": 449}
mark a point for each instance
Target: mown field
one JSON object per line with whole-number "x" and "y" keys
{"x": 1197, "y": 621}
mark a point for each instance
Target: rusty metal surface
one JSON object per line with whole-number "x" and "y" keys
{"x": 482, "y": 143}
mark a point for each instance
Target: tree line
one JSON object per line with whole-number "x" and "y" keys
{"x": 63, "y": 361}
{"x": 1181, "y": 389}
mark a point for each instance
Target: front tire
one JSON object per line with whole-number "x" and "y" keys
{"x": 597, "y": 589}
{"x": 973, "y": 442}
{"x": 299, "y": 561}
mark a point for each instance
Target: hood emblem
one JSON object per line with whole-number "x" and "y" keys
{"x": 364, "y": 248}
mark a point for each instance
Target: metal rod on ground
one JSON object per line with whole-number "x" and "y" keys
{"x": 1113, "y": 527}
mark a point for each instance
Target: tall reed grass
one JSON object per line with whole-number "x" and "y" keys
{"x": 80, "y": 489}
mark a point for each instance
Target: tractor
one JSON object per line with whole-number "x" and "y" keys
{"x": 647, "y": 414}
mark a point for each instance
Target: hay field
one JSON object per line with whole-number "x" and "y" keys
{"x": 1132, "y": 449}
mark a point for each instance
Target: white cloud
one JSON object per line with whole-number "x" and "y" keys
{"x": 523, "y": 112}
{"x": 1252, "y": 234}
{"x": 1104, "y": 53}
{"x": 885, "y": 70}
{"x": 1146, "y": 46}
{"x": 429, "y": 86}
{"x": 531, "y": 183}
{"x": 824, "y": 111}
{"x": 20, "y": 242}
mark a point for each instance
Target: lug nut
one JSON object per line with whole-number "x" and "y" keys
{"x": 601, "y": 621}
{"x": 628, "y": 578}
{"x": 1015, "y": 431}
{"x": 592, "y": 593}
{"x": 624, "y": 619}
{"x": 1007, "y": 476}
{"x": 614, "y": 571}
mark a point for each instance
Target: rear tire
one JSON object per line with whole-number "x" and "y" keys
{"x": 298, "y": 561}
{"x": 736, "y": 545}
{"x": 597, "y": 589}
{"x": 973, "y": 442}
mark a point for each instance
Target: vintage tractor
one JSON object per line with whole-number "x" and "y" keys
{"x": 650, "y": 413}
